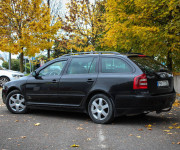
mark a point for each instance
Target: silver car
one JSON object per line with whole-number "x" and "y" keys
{"x": 8, "y": 75}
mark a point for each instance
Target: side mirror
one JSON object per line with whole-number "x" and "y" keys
{"x": 34, "y": 74}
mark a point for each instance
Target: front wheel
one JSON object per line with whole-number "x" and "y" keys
{"x": 100, "y": 109}
{"x": 16, "y": 102}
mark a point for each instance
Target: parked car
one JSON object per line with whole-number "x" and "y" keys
{"x": 103, "y": 84}
{"x": 8, "y": 75}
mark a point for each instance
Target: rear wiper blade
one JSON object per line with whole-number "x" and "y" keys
{"x": 163, "y": 69}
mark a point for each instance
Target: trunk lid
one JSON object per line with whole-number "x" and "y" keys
{"x": 159, "y": 78}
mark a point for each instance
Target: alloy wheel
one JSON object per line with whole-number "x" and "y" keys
{"x": 17, "y": 103}
{"x": 100, "y": 109}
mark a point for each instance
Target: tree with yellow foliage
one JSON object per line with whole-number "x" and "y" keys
{"x": 83, "y": 25}
{"x": 25, "y": 27}
{"x": 146, "y": 26}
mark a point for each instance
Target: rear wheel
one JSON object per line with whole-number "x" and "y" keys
{"x": 100, "y": 109}
{"x": 3, "y": 80}
{"x": 16, "y": 102}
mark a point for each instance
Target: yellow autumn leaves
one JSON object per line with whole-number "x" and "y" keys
{"x": 25, "y": 27}
{"x": 144, "y": 26}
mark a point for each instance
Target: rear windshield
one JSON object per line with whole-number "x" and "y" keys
{"x": 148, "y": 64}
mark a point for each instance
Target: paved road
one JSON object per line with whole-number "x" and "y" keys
{"x": 60, "y": 130}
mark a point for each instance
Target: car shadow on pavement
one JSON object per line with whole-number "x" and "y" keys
{"x": 60, "y": 114}
{"x": 123, "y": 120}
{"x": 145, "y": 119}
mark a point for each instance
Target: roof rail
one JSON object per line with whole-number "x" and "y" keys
{"x": 92, "y": 52}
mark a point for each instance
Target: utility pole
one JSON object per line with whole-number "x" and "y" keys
{"x": 25, "y": 66}
{"x": 9, "y": 61}
{"x": 30, "y": 65}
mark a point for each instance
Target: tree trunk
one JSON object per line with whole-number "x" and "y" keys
{"x": 21, "y": 62}
{"x": 48, "y": 53}
{"x": 169, "y": 60}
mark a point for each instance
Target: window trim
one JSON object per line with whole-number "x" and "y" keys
{"x": 100, "y": 65}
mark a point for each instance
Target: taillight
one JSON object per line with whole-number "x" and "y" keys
{"x": 140, "y": 82}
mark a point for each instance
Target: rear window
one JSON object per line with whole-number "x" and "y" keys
{"x": 148, "y": 65}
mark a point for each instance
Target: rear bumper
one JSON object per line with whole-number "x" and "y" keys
{"x": 140, "y": 103}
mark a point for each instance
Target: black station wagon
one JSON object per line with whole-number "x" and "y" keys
{"x": 103, "y": 84}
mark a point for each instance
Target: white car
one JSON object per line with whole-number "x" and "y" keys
{"x": 9, "y": 75}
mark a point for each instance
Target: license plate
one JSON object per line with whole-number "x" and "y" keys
{"x": 163, "y": 83}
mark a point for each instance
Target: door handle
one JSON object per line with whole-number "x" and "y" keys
{"x": 54, "y": 81}
{"x": 90, "y": 80}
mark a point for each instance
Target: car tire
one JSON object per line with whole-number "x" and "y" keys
{"x": 100, "y": 109}
{"x": 16, "y": 102}
{"x": 3, "y": 80}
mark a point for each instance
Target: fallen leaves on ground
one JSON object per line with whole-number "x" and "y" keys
{"x": 74, "y": 145}
{"x": 79, "y": 128}
{"x": 149, "y": 126}
{"x": 140, "y": 129}
{"x": 176, "y": 103}
{"x": 166, "y": 130}
{"x": 169, "y": 133}
{"x": 37, "y": 124}
{"x": 170, "y": 127}
{"x": 174, "y": 124}
{"x": 88, "y": 139}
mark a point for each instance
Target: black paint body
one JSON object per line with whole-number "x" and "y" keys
{"x": 72, "y": 92}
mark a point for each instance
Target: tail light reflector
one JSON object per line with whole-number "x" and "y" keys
{"x": 140, "y": 82}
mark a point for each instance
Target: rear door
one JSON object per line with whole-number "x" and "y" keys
{"x": 160, "y": 79}
{"x": 115, "y": 76}
{"x": 77, "y": 80}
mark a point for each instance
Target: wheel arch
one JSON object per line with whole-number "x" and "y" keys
{"x": 12, "y": 89}
{"x": 5, "y": 77}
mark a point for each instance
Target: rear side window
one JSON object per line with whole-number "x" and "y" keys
{"x": 115, "y": 65}
{"x": 148, "y": 65}
{"x": 82, "y": 65}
